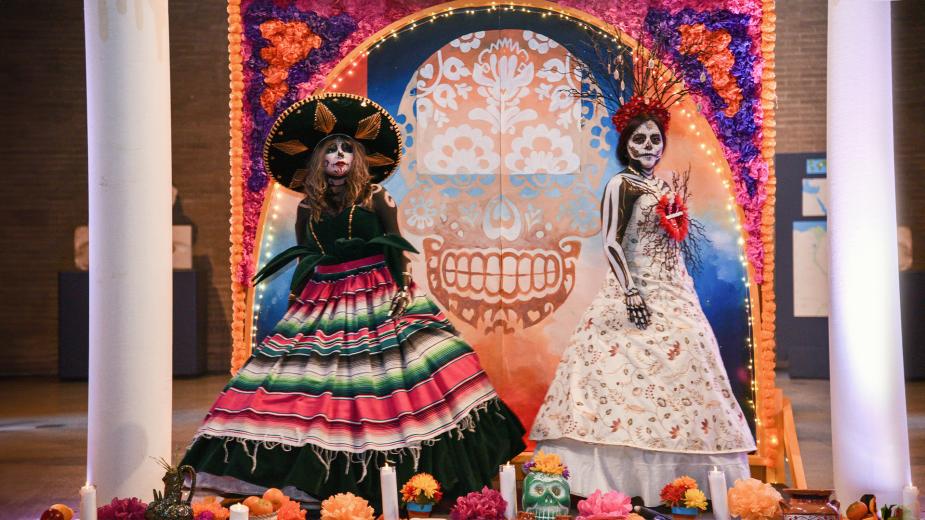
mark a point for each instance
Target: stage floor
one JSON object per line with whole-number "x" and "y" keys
{"x": 43, "y": 435}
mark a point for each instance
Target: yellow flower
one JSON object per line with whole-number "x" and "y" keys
{"x": 424, "y": 483}
{"x": 695, "y": 498}
{"x": 547, "y": 463}
{"x": 685, "y": 482}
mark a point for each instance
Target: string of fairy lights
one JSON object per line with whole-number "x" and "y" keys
{"x": 348, "y": 70}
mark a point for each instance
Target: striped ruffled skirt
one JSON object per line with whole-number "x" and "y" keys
{"x": 338, "y": 388}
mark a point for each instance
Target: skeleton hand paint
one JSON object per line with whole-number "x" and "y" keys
{"x": 400, "y": 303}
{"x": 338, "y": 157}
{"x": 646, "y": 145}
{"x": 636, "y": 307}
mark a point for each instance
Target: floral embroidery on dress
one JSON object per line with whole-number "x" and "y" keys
{"x": 660, "y": 388}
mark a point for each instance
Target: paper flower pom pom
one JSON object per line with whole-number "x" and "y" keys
{"x": 752, "y": 499}
{"x": 211, "y": 505}
{"x": 601, "y": 506}
{"x": 290, "y": 510}
{"x": 346, "y": 506}
{"x": 485, "y": 505}
{"x": 122, "y": 509}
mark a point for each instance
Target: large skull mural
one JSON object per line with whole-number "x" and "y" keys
{"x": 501, "y": 165}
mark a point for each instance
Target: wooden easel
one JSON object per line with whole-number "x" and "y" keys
{"x": 775, "y": 470}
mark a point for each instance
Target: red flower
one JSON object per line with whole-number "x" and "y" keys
{"x": 636, "y": 106}
{"x": 668, "y": 214}
{"x": 672, "y": 494}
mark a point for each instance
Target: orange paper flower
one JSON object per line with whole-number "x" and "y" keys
{"x": 346, "y": 506}
{"x": 213, "y": 505}
{"x": 752, "y": 499}
{"x": 712, "y": 49}
{"x": 290, "y": 43}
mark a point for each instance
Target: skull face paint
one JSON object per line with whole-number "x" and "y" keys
{"x": 646, "y": 145}
{"x": 502, "y": 171}
{"x": 338, "y": 157}
{"x": 546, "y": 495}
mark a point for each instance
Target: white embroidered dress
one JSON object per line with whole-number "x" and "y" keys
{"x": 632, "y": 409}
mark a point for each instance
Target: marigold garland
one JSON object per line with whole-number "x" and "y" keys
{"x": 240, "y": 349}
{"x": 765, "y": 357}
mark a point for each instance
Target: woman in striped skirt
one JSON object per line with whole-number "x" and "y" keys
{"x": 363, "y": 368}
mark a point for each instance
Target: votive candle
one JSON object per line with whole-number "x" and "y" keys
{"x": 239, "y": 512}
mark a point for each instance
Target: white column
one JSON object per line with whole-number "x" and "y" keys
{"x": 128, "y": 138}
{"x": 870, "y": 439}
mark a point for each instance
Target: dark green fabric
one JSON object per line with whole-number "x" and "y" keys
{"x": 461, "y": 463}
{"x": 366, "y": 239}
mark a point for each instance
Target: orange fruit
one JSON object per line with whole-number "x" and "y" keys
{"x": 258, "y": 506}
{"x": 65, "y": 510}
{"x": 275, "y": 497}
{"x": 856, "y": 511}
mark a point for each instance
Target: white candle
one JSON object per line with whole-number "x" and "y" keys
{"x": 389, "y": 488}
{"x": 911, "y": 503}
{"x": 718, "y": 493}
{"x": 87, "y": 502}
{"x": 508, "y": 481}
{"x": 239, "y": 512}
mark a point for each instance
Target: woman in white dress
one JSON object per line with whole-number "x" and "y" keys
{"x": 641, "y": 396}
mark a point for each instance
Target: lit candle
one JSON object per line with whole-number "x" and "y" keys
{"x": 718, "y": 493}
{"x": 239, "y": 512}
{"x": 508, "y": 480}
{"x": 87, "y": 502}
{"x": 911, "y": 502}
{"x": 389, "y": 492}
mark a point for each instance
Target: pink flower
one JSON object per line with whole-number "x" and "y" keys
{"x": 600, "y": 506}
{"x": 122, "y": 509}
{"x": 485, "y": 505}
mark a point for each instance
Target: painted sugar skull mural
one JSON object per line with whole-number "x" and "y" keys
{"x": 546, "y": 491}
{"x": 503, "y": 165}
{"x": 500, "y": 189}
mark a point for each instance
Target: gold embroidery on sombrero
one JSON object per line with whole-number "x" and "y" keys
{"x": 292, "y": 147}
{"x": 377, "y": 159}
{"x": 368, "y": 127}
{"x": 324, "y": 118}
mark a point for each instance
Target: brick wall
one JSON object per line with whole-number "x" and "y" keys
{"x": 44, "y": 150}
{"x": 909, "y": 120}
{"x": 801, "y": 68}
{"x": 43, "y": 146}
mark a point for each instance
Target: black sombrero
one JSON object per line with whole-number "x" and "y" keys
{"x": 302, "y": 126}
